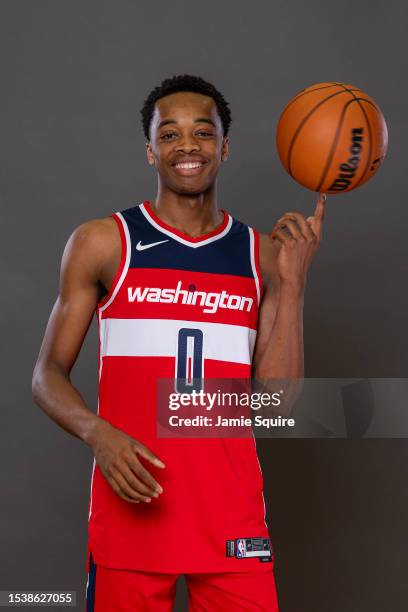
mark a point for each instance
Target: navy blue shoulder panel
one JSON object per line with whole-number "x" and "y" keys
{"x": 229, "y": 254}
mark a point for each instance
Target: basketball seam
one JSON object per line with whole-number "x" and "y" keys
{"x": 369, "y": 134}
{"x": 335, "y": 142}
{"x": 334, "y": 145}
{"x": 304, "y": 93}
{"x": 369, "y": 131}
{"x": 302, "y": 123}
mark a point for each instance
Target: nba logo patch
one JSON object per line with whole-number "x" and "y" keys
{"x": 241, "y": 549}
{"x": 245, "y": 548}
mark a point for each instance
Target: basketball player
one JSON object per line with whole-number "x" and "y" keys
{"x": 167, "y": 279}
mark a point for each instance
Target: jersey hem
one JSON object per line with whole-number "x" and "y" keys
{"x": 241, "y": 566}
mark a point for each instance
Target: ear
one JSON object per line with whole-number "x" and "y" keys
{"x": 149, "y": 154}
{"x": 225, "y": 148}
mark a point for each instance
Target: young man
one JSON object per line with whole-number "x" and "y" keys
{"x": 162, "y": 507}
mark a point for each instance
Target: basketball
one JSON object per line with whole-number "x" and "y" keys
{"x": 331, "y": 137}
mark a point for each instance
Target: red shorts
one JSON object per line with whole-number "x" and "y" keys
{"x": 117, "y": 590}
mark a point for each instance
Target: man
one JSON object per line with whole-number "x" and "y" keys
{"x": 163, "y": 507}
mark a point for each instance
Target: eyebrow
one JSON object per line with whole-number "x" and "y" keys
{"x": 199, "y": 120}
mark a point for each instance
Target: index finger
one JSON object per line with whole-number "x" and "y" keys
{"x": 320, "y": 207}
{"x": 143, "y": 474}
{"x": 149, "y": 455}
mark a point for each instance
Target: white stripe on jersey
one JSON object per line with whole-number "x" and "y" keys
{"x": 252, "y": 254}
{"x": 175, "y": 236}
{"x": 159, "y": 337}
{"x": 126, "y": 265}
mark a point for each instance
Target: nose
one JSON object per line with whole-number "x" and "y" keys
{"x": 187, "y": 144}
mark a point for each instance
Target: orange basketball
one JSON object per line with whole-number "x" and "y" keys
{"x": 331, "y": 137}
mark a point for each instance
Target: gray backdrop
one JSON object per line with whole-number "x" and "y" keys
{"x": 74, "y": 76}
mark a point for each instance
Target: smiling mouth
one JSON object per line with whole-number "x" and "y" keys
{"x": 189, "y": 168}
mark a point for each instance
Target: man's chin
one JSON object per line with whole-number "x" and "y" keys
{"x": 192, "y": 189}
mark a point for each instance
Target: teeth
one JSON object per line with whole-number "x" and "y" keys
{"x": 189, "y": 165}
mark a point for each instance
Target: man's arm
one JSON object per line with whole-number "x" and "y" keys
{"x": 90, "y": 250}
{"x": 285, "y": 258}
{"x": 71, "y": 316}
{"x": 279, "y": 346}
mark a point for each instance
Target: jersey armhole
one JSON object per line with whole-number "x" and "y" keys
{"x": 256, "y": 269}
{"x": 123, "y": 265}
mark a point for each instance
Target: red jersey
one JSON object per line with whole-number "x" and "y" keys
{"x": 210, "y": 287}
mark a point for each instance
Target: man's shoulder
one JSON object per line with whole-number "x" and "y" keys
{"x": 95, "y": 237}
{"x": 96, "y": 226}
{"x": 96, "y": 229}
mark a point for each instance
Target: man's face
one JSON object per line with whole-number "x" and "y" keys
{"x": 186, "y": 142}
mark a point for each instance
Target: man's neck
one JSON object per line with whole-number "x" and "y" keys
{"x": 193, "y": 215}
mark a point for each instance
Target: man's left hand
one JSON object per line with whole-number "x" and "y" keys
{"x": 298, "y": 244}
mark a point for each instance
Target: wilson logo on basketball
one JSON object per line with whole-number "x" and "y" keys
{"x": 209, "y": 301}
{"x": 348, "y": 170}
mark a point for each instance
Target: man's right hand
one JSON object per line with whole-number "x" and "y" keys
{"x": 116, "y": 454}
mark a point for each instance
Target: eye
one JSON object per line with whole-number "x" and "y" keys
{"x": 167, "y": 136}
{"x": 204, "y": 133}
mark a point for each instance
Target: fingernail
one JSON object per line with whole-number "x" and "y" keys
{"x": 148, "y": 499}
{"x": 159, "y": 489}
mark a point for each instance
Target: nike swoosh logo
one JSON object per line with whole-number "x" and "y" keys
{"x": 142, "y": 247}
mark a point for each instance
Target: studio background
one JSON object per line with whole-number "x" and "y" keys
{"x": 74, "y": 77}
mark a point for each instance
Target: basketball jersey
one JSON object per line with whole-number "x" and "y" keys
{"x": 209, "y": 285}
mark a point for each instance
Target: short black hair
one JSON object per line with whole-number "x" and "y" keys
{"x": 185, "y": 82}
